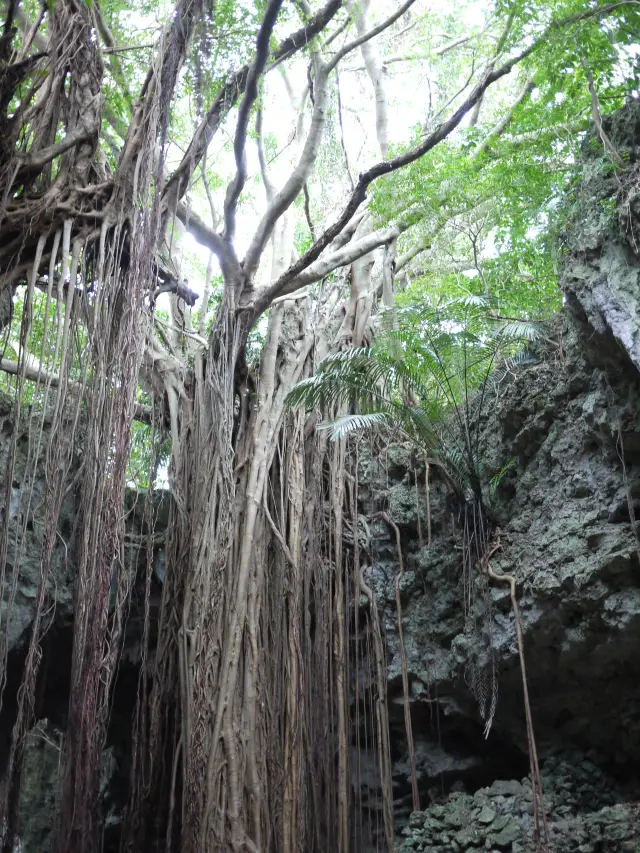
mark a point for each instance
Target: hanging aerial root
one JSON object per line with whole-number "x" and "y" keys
{"x": 539, "y": 810}
{"x": 382, "y": 717}
{"x": 58, "y": 449}
{"x": 403, "y": 661}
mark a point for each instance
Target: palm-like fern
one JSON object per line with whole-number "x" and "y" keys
{"x": 427, "y": 379}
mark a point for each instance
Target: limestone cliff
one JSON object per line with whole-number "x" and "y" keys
{"x": 567, "y": 508}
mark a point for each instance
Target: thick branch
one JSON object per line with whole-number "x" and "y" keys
{"x": 32, "y": 35}
{"x": 277, "y": 288}
{"x": 388, "y": 274}
{"x": 348, "y": 231}
{"x": 372, "y": 33}
{"x": 303, "y": 36}
{"x": 113, "y": 48}
{"x": 251, "y": 93}
{"x": 203, "y": 234}
{"x": 376, "y": 72}
{"x": 161, "y": 77}
{"x": 283, "y": 199}
{"x": 289, "y": 192}
{"x": 180, "y": 289}
{"x": 342, "y": 257}
{"x": 445, "y": 48}
{"x": 266, "y": 180}
{"x": 226, "y": 99}
{"x": 35, "y": 162}
{"x": 142, "y": 413}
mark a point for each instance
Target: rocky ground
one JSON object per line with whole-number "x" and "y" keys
{"x": 500, "y": 817}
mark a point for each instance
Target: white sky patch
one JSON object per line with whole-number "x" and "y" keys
{"x": 627, "y": 59}
{"x": 490, "y": 250}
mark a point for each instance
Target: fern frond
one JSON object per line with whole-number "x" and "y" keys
{"x": 341, "y": 427}
{"x": 520, "y": 330}
{"x": 426, "y": 377}
{"x": 472, "y": 300}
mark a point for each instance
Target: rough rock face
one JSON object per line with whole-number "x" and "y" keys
{"x": 602, "y": 241}
{"x": 567, "y": 508}
{"x": 41, "y": 784}
{"x": 25, "y": 525}
{"x": 25, "y": 493}
{"x": 564, "y": 510}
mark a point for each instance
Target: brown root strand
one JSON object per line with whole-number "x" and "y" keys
{"x": 539, "y": 810}
{"x": 403, "y": 662}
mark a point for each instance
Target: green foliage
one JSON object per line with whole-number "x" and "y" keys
{"x": 488, "y": 200}
{"x": 40, "y": 332}
{"x": 148, "y": 453}
{"x": 497, "y": 478}
{"x": 424, "y": 377}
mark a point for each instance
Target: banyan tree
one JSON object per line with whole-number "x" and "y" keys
{"x": 134, "y": 143}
